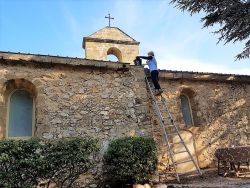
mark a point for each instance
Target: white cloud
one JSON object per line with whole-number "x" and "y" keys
{"x": 74, "y": 26}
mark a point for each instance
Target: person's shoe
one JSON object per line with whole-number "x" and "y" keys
{"x": 160, "y": 91}
{"x": 157, "y": 92}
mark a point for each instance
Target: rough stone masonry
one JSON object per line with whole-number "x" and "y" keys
{"x": 77, "y": 97}
{"x": 85, "y": 97}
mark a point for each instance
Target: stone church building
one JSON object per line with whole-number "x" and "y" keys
{"x": 53, "y": 97}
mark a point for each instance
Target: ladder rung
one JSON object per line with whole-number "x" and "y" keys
{"x": 161, "y": 108}
{"x": 171, "y": 134}
{"x": 160, "y": 104}
{"x": 171, "y": 120}
{"x": 170, "y": 172}
{"x": 166, "y": 121}
{"x": 186, "y": 161}
{"x": 169, "y": 125}
{"x": 189, "y": 172}
{"x": 174, "y": 143}
{"x": 179, "y": 152}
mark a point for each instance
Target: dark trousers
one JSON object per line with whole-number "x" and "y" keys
{"x": 155, "y": 79}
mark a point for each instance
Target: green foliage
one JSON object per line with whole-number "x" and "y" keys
{"x": 24, "y": 162}
{"x": 18, "y": 163}
{"x": 131, "y": 159}
{"x": 68, "y": 158}
{"x": 233, "y": 17}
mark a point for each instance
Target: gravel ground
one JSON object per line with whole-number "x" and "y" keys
{"x": 210, "y": 179}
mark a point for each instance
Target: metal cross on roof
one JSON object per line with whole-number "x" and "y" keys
{"x": 109, "y": 19}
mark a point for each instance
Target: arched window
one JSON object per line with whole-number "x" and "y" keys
{"x": 20, "y": 114}
{"x": 186, "y": 110}
{"x": 114, "y": 54}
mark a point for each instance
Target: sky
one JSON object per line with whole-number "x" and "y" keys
{"x": 56, "y": 27}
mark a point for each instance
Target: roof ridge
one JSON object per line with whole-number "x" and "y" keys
{"x": 164, "y": 70}
{"x": 115, "y": 28}
{"x": 197, "y": 72}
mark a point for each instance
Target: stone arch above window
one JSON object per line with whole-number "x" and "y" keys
{"x": 185, "y": 90}
{"x": 20, "y": 83}
{"x": 186, "y": 110}
{"x": 115, "y": 52}
{"x": 19, "y": 95}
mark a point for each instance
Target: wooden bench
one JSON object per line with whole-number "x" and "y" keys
{"x": 232, "y": 156}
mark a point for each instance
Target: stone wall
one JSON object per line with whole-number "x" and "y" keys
{"x": 220, "y": 108}
{"x": 78, "y": 97}
{"x": 98, "y": 51}
{"x": 81, "y": 98}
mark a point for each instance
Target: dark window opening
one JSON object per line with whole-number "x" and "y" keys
{"x": 186, "y": 110}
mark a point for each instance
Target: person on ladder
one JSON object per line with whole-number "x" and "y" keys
{"x": 152, "y": 64}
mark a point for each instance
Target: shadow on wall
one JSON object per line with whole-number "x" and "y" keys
{"x": 220, "y": 117}
{"x": 226, "y": 123}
